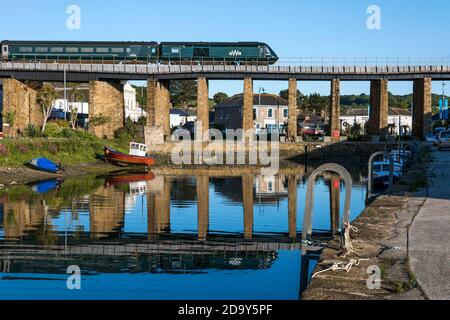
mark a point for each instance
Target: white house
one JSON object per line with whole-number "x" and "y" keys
{"x": 396, "y": 118}
{"x": 132, "y": 109}
{"x": 178, "y": 118}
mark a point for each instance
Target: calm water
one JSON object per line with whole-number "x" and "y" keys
{"x": 145, "y": 236}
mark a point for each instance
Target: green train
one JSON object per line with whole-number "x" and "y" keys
{"x": 139, "y": 52}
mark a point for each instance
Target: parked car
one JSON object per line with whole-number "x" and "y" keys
{"x": 432, "y": 137}
{"x": 443, "y": 140}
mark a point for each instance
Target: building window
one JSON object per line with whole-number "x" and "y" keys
{"x": 286, "y": 113}
{"x": 270, "y": 186}
{"x": 270, "y": 113}
{"x": 254, "y": 113}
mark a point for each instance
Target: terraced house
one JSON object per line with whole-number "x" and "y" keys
{"x": 269, "y": 111}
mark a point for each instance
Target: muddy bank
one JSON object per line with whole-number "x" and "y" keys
{"x": 23, "y": 174}
{"x": 382, "y": 239}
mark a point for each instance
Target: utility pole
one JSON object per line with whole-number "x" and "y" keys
{"x": 65, "y": 93}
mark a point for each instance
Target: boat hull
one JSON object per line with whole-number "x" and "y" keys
{"x": 119, "y": 158}
{"x": 45, "y": 165}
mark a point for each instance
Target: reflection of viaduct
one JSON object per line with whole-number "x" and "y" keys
{"x": 106, "y": 93}
{"x": 107, "y": 207}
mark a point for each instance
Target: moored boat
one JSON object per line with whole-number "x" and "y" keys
{"x": 46, "y": 165}
{"x": 129, "y": 178}
{"x": 136, "y": 157}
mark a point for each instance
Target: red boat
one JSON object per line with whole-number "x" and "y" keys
{"x": 137, "y": 156}
{"x": 129, "y": 178}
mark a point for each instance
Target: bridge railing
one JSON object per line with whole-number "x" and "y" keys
{"x": 301, "y": 65}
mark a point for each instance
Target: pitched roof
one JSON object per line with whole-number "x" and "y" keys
{"x": 364, "y": 112}
{"x": 265, "y": 99}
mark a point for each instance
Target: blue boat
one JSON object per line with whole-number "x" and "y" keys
{"x": 46, "y": 165}
{"x": 45, "y": 186}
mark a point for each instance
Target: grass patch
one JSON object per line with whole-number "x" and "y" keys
{"x": 68, "y": 151}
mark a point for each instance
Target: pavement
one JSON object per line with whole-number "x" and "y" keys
{"x": 429, "y": 233}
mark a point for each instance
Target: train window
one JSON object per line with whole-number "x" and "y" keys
{"x": 87, "y": 50}
{"x": 56, "y": 49}
{"x": 72, "y": 50}
{"x": 102, "y": 50}
{"x": 201, "y": 52}
{"x": 117, "y": 50}
{"x": 26, "y": 49}
{"x": 176, "y": 50}
{"x": 41, "y": 49}
{"x": 153, "y": 50}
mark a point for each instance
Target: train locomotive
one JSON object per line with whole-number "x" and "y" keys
{"x": 258, "y": 53}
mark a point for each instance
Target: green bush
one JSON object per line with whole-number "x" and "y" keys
{"x": 52, "y": 130}
{"x": 32, "y": 131}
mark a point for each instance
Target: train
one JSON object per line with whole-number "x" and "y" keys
{"x": 258, "y": 53}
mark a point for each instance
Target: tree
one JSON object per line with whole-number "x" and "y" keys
{"x": 75, "y": 97}
{"x": 300, "y": 97}
{"x": 183, "y": 92}
{"x": 45, "y": 98}
{"x": 220, "y": 97}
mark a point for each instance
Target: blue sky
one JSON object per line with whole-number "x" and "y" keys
{"x": 293, "y": 28}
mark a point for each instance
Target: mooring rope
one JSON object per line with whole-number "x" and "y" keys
{"x": 348, "y": 246}
{"x": 340, "y": 265}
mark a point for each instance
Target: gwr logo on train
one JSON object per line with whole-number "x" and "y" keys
{"x": 235, "y": 53}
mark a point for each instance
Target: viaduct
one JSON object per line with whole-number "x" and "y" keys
{"x": 106, "y": 91}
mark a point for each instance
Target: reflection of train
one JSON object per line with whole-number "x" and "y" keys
{"x": 129, "y": 52}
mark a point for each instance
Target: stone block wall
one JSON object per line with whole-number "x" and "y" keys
{"x": 335, "y": 110}
{"x": 20, "y": 100}
{"x": 106, "y": 101}
{"x": 247, "y": 108}
{"x": 292, "y": 121}
{"x": 379, "y": 106}
{"x": 158, "y": 105}
{"x": 422, "y": 108}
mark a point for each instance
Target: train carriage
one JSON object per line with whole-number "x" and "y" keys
{"x": 78, "y": 51}
{"x": 241, "y": 52}
{"x": 139, "y": 52}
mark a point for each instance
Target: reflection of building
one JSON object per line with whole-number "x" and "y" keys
{"x": 268, "y": 111}
{"x": 271, "y": 186}
{"x": 107, "y": 212}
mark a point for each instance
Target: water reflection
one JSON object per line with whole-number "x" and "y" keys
{"x": 225, "y": 227}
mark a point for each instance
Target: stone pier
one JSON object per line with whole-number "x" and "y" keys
{"x": 247, "y": 112}
{"x": 106, "y": 108}
{"x": 19, "y": 105}
{"x": 203, "y": 105}
{"x": 335, "y": 203}
{"x": 292, "y": 206}
{"x": 248, "y": 201}
{"x": 158, "y": 106}
{"x": 292, "y": 119}
{"x": 422, "y": 108}
{"x": 335, "y": 110}
{"x": 379, "y": 105}
{"x": 203, "y": 207}
{"x": 158, "y": 208}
